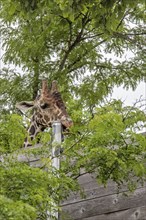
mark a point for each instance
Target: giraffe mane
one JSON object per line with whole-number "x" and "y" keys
{"x": 58, "y": 99}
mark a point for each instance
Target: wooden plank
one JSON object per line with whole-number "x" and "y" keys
{"x": 93, "y": 190}
{"x": 138, "y": 213}
{"x": 86, "y": 178}
{"x": 106, "y": 204}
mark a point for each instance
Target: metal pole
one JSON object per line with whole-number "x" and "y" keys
{"x": 56, "y": 145}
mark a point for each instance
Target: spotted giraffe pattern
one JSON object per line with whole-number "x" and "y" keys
{"x": 48, "y": 107}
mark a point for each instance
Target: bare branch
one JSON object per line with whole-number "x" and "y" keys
{"x": 127, "y": 38}
{"x": 81, "y": 138}
{"x": 126, "y": 13}
{"x": 70, "y": 69}
{"x": 134, "y": 34}
{"x": 78, "y": 39}
{"x": 93, "y": 36}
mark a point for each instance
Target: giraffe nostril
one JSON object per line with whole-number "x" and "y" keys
{"x": 71, "y": 123}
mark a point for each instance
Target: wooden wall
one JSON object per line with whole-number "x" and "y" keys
{"x": 104, "y": 203}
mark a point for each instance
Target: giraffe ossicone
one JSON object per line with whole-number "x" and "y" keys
{"x": 47, "y": 108}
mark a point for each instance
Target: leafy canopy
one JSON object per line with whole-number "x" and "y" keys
{"x": 85, "y": 46}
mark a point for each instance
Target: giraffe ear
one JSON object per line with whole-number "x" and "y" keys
{"x": 24, "y": 106}
{"x": 54, "y": 87}
{"x": 45, "y": 88}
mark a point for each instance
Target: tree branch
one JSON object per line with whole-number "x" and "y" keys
{"x": 78, "y": 39}
{"x": 134, "y": 34}
{"x": 126, "y": 13}
{"x": 127, "y": 38}
{"x": 70, "y": 69}
{"x": 76, "y": 142}
{"x": 93, "y": 36}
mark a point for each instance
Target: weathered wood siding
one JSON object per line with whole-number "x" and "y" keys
{"x": 105, "y": 203}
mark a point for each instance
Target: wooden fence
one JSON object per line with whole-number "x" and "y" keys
{"x": 105, "y": 203}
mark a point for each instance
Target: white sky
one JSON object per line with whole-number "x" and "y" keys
{"x": 129, "y": 96}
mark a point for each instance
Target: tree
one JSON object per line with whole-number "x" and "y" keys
{"x": 69, "y": 41}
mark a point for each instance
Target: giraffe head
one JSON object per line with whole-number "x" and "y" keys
{"x": 48, "y": 107}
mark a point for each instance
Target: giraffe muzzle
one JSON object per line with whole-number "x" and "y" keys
{"x": 66, "y": 122}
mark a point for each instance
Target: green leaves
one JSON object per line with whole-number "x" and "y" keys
{"x": 10, "y": 209}
{"x": 12, "y": 133}
{"x": 23, "y": 184}
{"x": 34, "y": 191}
{"x": 109, "y": 146}
{"x": 72, "y": 42}
{"x": 65, "y": 39}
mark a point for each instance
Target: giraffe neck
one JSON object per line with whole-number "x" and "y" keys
{"x": 38, "y": 123}
{"x": 33, "y": 130}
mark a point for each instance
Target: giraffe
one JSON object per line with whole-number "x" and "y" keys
{"x": 47, "y": 108}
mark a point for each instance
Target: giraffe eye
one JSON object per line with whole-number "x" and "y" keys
{"x": 45, "y": 105}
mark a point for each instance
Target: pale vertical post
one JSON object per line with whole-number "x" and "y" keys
{"x": 56, "y": 145}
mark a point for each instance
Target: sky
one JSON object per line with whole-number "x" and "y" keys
{"x": 129, "y": 96}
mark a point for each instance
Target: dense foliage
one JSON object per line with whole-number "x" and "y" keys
{"x": 85, "y": 46}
